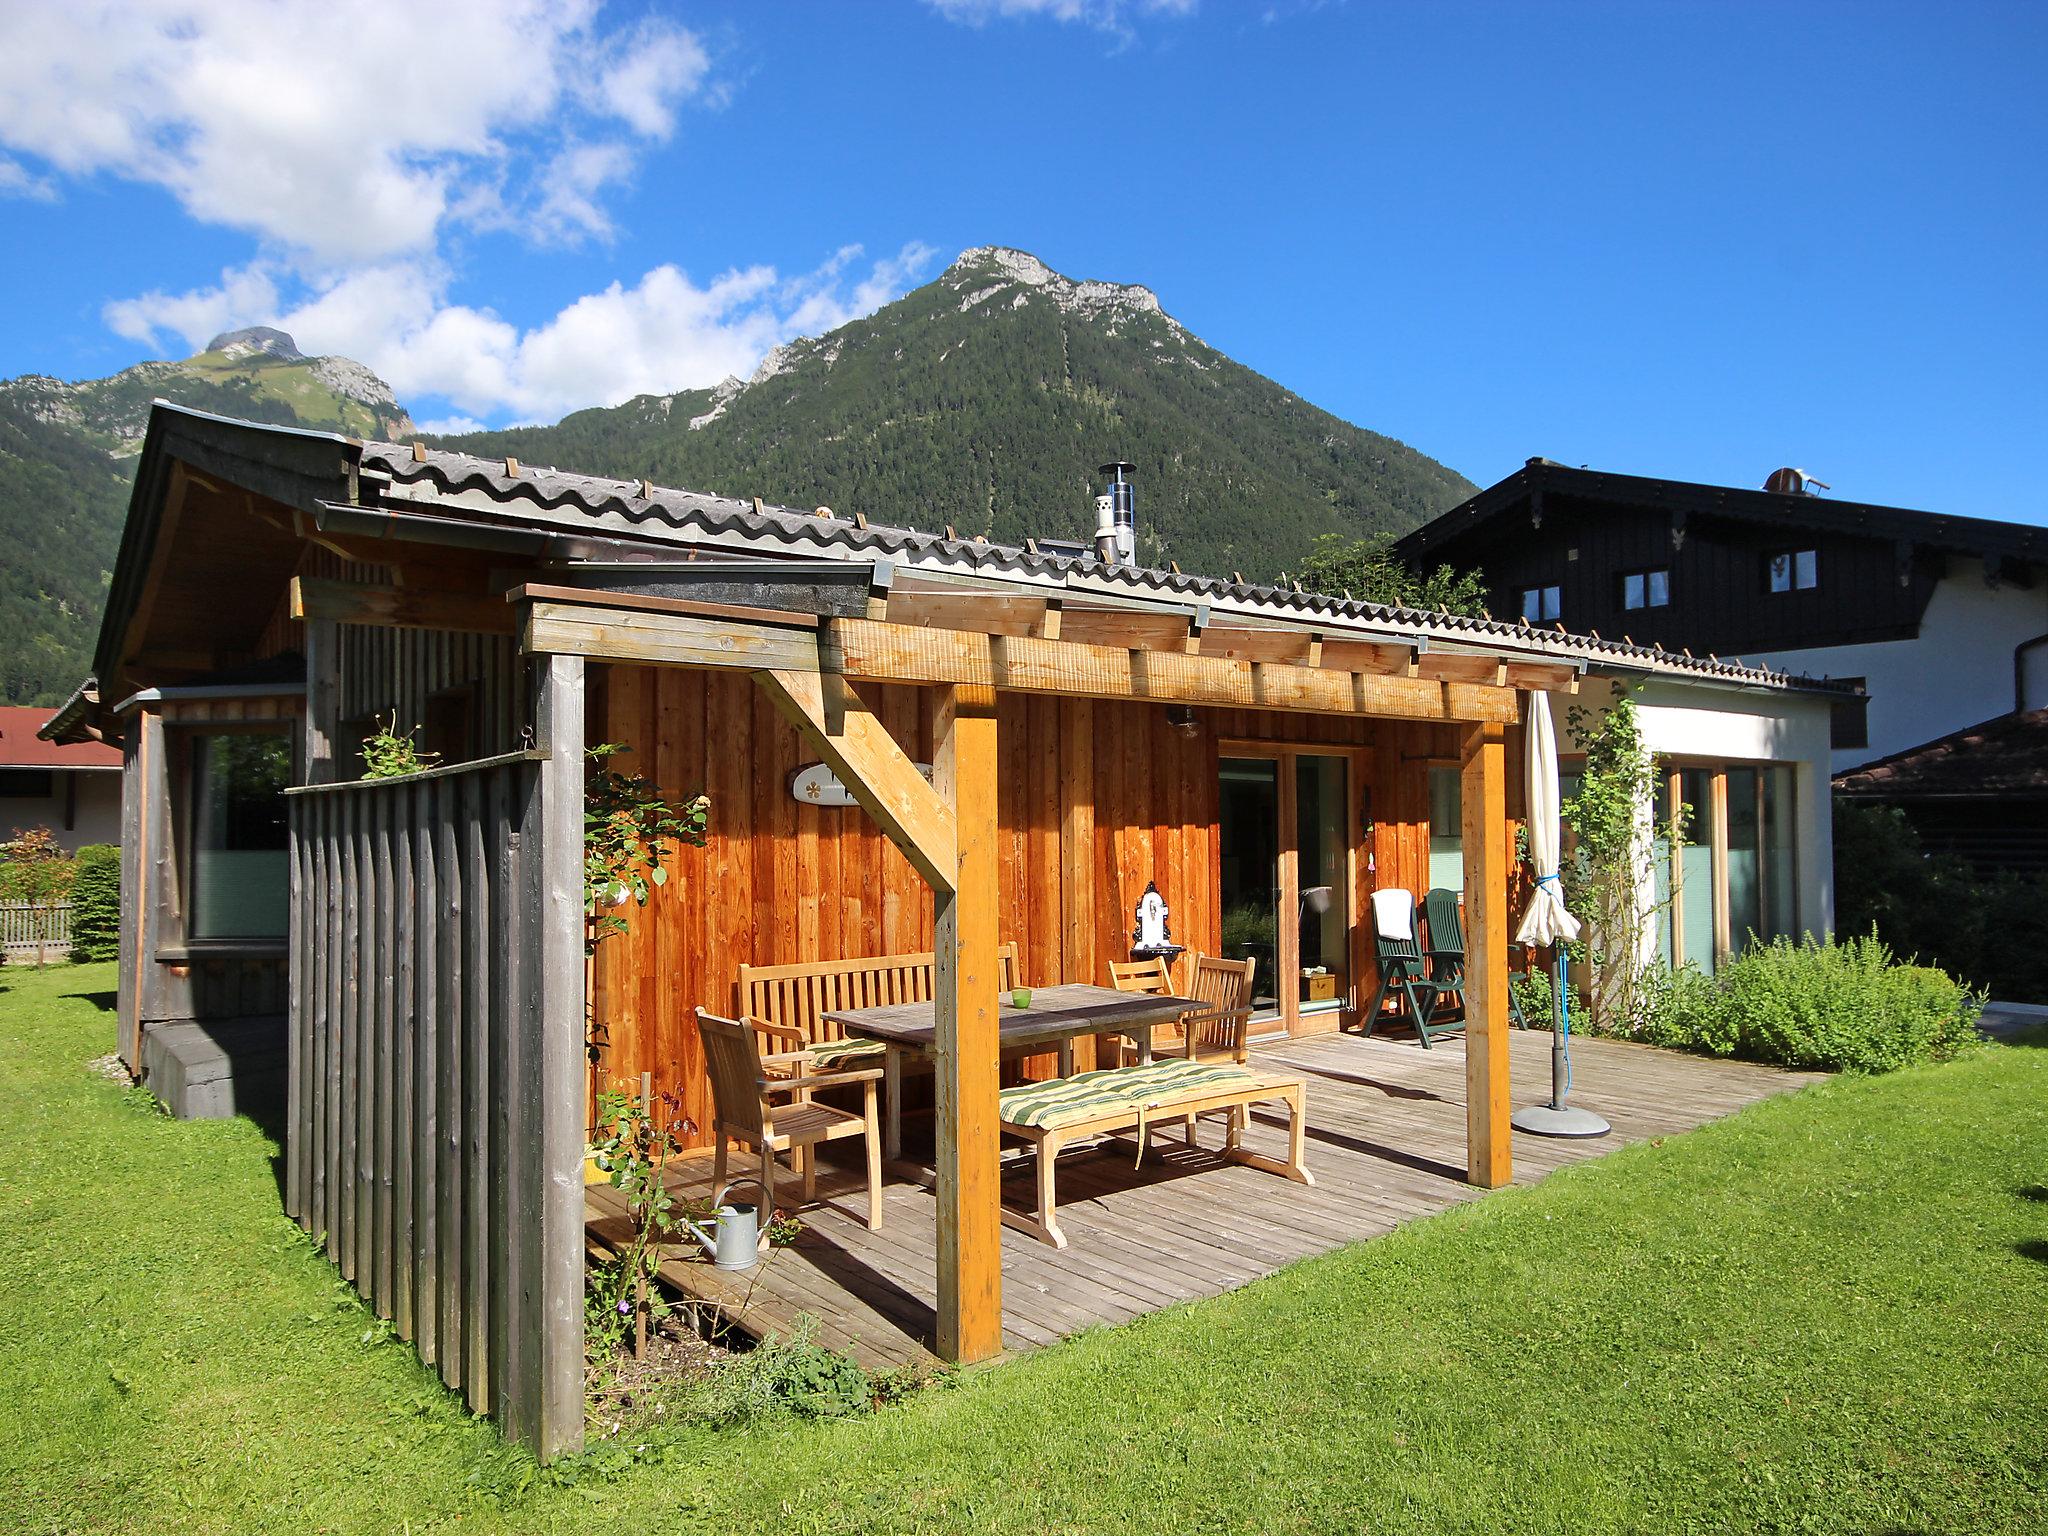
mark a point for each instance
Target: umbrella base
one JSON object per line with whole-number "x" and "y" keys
{"x": 1559, "y": 1120}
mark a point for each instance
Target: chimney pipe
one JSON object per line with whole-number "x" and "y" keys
{"x": 1116, "y": 518}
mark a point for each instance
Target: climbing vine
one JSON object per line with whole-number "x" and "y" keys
{"x": 1612, "y": 860}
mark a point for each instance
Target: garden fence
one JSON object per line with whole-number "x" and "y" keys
{"x": 26, "y": 927}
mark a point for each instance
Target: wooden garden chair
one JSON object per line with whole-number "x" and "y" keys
{"x": 1145, "y": 978}
{"x": 744, "y": 1094}
{"x": 1403, "y": 968}
{"x": 1220, "y": 1031}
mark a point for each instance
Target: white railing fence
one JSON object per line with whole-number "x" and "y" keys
{"x": 26, "y": 927}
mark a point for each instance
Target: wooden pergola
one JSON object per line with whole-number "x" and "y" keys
{"x": 970, "y": 645}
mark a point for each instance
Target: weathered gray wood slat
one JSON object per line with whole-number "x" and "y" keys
{"x": 383, "y": 1048}
{"x": 451, "y": 936}
{"x": 424, "y": 1253}
{"x": 436, "y": 1091}
{"x": 348, "y": 940}
{"x": 502, "y": 955}
{"x": 476, "y": 1088}
{"x": 404, "y": 1030}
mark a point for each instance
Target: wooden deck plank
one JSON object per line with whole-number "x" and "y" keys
{"x": 1386, "y": 1141}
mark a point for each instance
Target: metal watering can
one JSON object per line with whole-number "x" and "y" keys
{"x": 734, "y": 1237}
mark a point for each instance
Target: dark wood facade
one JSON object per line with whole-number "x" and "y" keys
{"x": 1720, "y": 598}
{"x": 1586, "y": 532}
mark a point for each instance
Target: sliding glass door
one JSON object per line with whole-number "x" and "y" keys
{"x": 1249, "y": 846}
{"x": 1286, "y": 847}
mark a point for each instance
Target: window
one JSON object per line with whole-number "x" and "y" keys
{"x": 1735, "y": 879}
{"x": 240, "y": 884}
{"x": 1794, "y": 570}
{"x": 27, "y": 784}
{"x": 1647, "y": 589}
{"x": 1540, "y": 604}
{"x": 1446, "y": 830}
{"x": 1849, "y": 719}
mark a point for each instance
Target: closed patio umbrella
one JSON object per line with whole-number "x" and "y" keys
{"x": 1549, "y": 922}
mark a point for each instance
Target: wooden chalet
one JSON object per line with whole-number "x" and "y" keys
{"x": 1265, "y": 758}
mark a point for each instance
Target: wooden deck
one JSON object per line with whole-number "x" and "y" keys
{"x": 1386, "y": 1142}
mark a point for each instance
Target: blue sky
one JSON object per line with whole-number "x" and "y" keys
{"x": 1697, "y": 240}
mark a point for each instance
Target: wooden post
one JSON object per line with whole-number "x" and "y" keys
{"x": 969, "y": 1217}
{"x": 1488, "y": 1162}
{"x": 323, "y": 700}
{"x": 555, "y": 1180}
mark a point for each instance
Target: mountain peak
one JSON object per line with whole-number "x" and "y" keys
{"x": 255, "y": 340}
{"x": 985, "y": 270}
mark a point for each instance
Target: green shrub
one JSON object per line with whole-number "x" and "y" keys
{"x": 1688, "y": 1012}
{"x": 1837, "y": 1006}
{"x": 96, "y": 903}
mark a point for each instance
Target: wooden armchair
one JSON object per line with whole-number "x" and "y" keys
{"x": 744, "y": 1092}
{"x": 1220, "y": 1030}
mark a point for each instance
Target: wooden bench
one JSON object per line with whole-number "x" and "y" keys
{"x": 1053, "y": 1115}
{"x": 787, "y": 1004}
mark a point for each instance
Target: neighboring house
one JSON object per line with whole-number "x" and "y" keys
{"x": 1981, "y": 792}
{"x": 74, "y": 788}
{"x": 1268, "y": 759}
{"x": 1942, "y": 620}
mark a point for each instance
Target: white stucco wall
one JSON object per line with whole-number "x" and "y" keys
{"x": 1958, "y": 673}
{"x": 98, "y": 817}
{"x": 1724, "y": 725}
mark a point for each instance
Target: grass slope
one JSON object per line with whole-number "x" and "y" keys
{"x": 1822, "y": 1315}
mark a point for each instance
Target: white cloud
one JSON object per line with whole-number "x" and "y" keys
{"x": 199, "y": 315}
{"x": 664, "y": 333}
{"x": 1107, "y": 15}
{"x": 342, "y": 134}
{"x": 356, "y": 144}
{"x": 16, "y": 180}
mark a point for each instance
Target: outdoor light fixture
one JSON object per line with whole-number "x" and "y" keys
{"x": 1182, "y": 718}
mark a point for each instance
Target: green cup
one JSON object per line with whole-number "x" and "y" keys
{"x": 1020, "y": 997}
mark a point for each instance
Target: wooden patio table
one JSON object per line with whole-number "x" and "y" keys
{"x": 1057, "y": 1016}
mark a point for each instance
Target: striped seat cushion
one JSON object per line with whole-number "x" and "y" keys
{"x": 843, "y": 1053}
{"x": 1067, "y": 1100}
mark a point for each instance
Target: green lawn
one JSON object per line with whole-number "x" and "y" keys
{"x": 1825, "y": 1314}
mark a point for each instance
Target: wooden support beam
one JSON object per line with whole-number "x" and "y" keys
{"x": 613, "y": 634}
{"x": 992, "y": 613}
{"x": 874, "y": 769}
{"x": 862, "y": 649}
{"x": 970, "y": 1252}
{"x": 1488, "y": 1159}
{"x": 407, "y": 607}
{"x": 1126, "y": 628}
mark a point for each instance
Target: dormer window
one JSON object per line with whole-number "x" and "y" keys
{"x": 1540, "y": 605}
{"x": 1647, "y": 589}
{"x": 1793, "y": 570}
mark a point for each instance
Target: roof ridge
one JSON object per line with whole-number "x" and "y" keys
{"x": 638, "y": 501}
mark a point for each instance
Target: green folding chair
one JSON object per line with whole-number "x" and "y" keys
{"x": 1445, "y": 952}
{"x": 1401, "y": 962}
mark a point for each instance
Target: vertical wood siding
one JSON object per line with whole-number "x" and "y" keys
{"x": 1095, "y": 799}
{"x": 421, "y": 1149}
